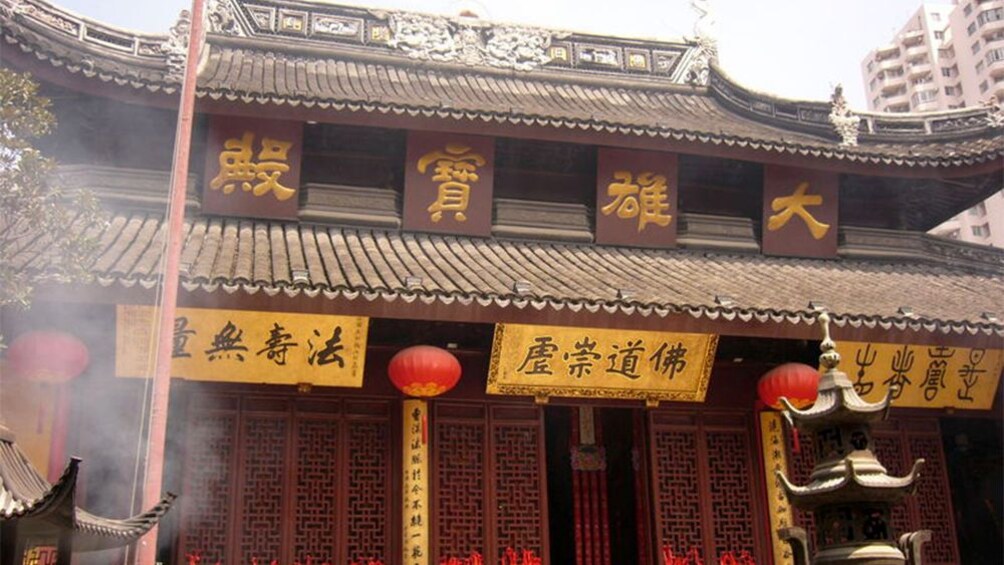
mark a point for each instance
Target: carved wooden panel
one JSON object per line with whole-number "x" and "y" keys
{"x": 274, "y": 479}
{"x": 368, "y": 496}
{"x": 702, "y": 487}
{"x": 799, "y": 469}
{"x": 206, "y": 520}
{"x": 263, "y": 470}
{"x": 933, "y": 502}
{"x": 729, "y": 462}
{"x": 317, "y": 520}
{"x": 489, "y": 482}
{"x": 460, "y": 488}
{"x": 518, "y": 500}
{"x": 676, "y": 490}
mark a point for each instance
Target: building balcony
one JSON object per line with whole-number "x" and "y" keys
{"x": 919, "y": 70}
{"x": 928, "y": 106}
{"x": 896, "y": 99}
{"x": 991, "y": 27}
{"x": 914, "y": 50}
{"x": 892, "y": 84}
{"x": 886, "y": 64}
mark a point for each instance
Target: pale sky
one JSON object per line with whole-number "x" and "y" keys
{"x": 791, "y": 48}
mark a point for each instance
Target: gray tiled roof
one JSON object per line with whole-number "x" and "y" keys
{"x": 253, "y": 255}
{"x": 25, "y": 495}
{"x": 638, "y": 108}
{"x": 278, "y": 69}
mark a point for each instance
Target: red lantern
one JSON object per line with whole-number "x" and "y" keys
{"x": 424, "y": 371}
{"x": 797, "y": 382}
{"x": 47, "y": 356}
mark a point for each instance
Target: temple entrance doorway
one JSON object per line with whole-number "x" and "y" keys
{"x": 596, "y": 485}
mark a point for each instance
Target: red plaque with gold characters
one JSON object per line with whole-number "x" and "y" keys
{"x": 636, "y": 198}
{"x": 448, "y": 183}
{"x": 253, "y": 168}
{"x": 799, "y": 212}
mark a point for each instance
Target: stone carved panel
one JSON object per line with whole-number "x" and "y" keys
{"x": 435, "y": 38}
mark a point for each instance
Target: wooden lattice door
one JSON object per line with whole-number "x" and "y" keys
{"x": 703, "y": 487}
{"x": 489, "y": 481}
{"x": 898, "y": 443}
{"x": 284, "y": 478}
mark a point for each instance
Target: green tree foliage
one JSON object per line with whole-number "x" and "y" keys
{"x": 44, "y": 231}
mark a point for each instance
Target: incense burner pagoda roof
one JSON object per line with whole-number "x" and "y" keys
{"x": 228, "y": 255}
{"x": 25, "y": 495}
{"x": 297, "y": 54}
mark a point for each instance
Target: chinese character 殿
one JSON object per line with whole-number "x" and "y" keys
{"x": 455, "y": 170}
{"x": 236, "y": 165}
{"x": 794, "y": 205}
{"x": 646, "y": 199}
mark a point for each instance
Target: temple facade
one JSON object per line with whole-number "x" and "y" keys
{"x": 613, "y": 238}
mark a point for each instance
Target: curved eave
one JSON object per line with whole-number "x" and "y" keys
{"x": 138, "y": 63}
{"x": 94, "y": 533}
{"x": 30, "y": 496}
{"x": 841, "y": 404}
{"x": 851, "y": 487}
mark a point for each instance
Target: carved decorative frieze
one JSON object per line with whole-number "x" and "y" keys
{"x": 221, "y": 18}
{"x": 995, "y": 112}
{"x": 336, "y": 26}
{"x": 706, "y": 52}
{"x": 470, "y": 42}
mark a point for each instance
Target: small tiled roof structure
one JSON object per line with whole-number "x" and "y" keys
{"x": 230, "y": 255}
{"x": 378, "y": 62}
{"x": 49, "y": 510}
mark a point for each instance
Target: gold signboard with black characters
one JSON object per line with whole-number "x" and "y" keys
{"x": 545, "y": 361}
{"x": 925, "y": 376}
{"x": 246, "y": 346}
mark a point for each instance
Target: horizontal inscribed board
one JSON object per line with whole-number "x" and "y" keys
{"x": 246, "y": 346}
{"x": 543, "y": 361}
{"x": 927, "y": 376}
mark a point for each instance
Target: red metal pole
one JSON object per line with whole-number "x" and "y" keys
{"x": 147, "y": 552}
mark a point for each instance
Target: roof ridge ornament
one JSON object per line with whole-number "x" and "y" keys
{"x": 175, "y": 47}
{"x": 221, "y": 18}
{"x": 706, "y": 38}
{"x": 469, "y": 41}
{"x": 844, "y": 121}
{"x": 995, "y": 111}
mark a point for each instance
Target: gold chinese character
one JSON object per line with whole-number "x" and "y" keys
{"x": 236, "y": 165}
{"x": 788, "y": 206}
{"x": 646, "y": 200}
{"x": 455, "y": 170}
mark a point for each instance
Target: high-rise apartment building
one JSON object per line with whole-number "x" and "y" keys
{"x": 946, "y": 56}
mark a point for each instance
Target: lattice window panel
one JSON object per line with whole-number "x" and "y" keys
{"x": 368, "y": 493}
{"x": 211, "y": 440}
{"x": 799, "y": 469}
{"x": 317, "y": 519}
{"x": 267, "y": 480}
{"x": 460, "y": 488}
{"x": 729, "y": 462}
{"x": 677, "y": 490}
{"x": 934, "y": 500}
{"x": 518, "y": 499}
{"x": 889, "y": 452}
{"x": 702, "y": 477}
{"x": 263, "y": 471}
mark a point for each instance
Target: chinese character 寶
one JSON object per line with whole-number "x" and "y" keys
{"x": 934, "y": 378}
{"x": 455, "y": 170}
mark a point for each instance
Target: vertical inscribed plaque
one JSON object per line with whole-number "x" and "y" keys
{"x": 253, "y": 168}
{"x": 448, "y": 183}
{"x": 636, "y": 195}
{"x": 800, "y": 210}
